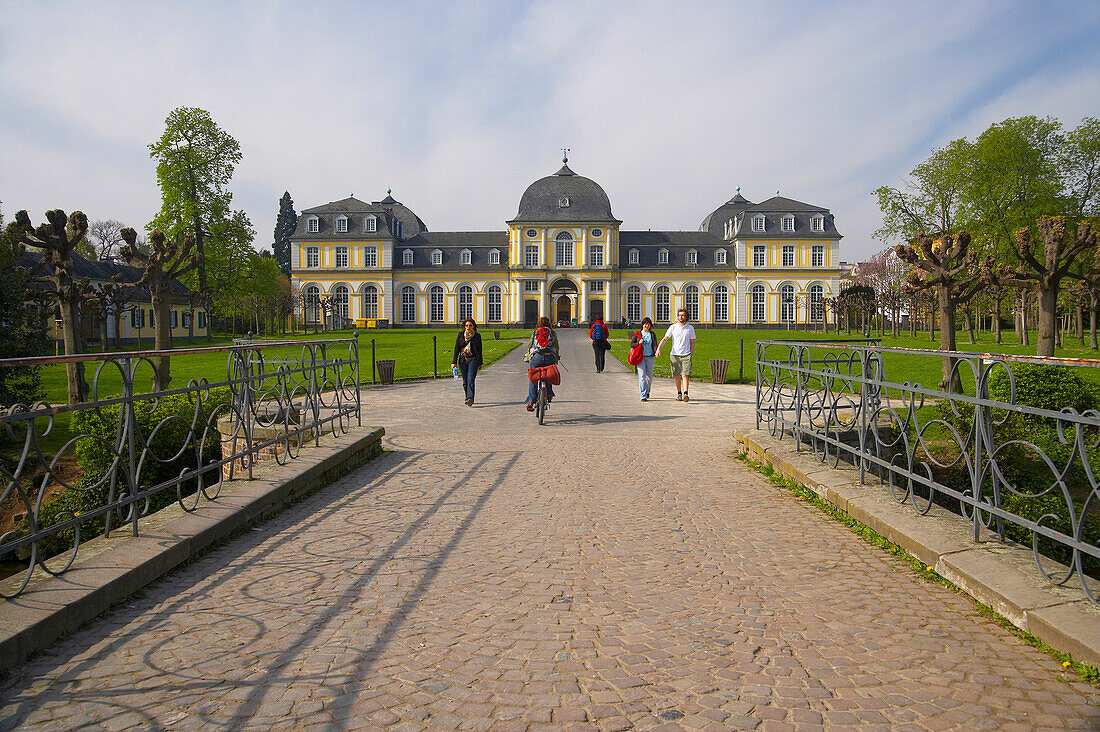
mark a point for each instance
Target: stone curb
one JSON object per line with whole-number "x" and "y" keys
{"x": 107, "y": 571}
{"x": 1000, "y": 575}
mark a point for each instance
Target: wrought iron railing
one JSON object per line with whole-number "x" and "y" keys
{"x": 1014, "y": 471}
{"x": 71, "y": 472}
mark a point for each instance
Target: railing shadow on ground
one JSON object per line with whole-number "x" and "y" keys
{"x": 1016, "y": 473}
{"x": 128, "y": 453}
{"x": 399, "y": 462}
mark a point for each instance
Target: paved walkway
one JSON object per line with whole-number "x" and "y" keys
{"x": 614, "y": 568}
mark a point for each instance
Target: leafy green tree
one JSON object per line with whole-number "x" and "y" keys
{"x": 1079, "y": 163}
{"x": 284, "y": 229}
{"x": 931, "y": 201}
{"x": 24, "y": 324}
{"x": 195, "y": 162}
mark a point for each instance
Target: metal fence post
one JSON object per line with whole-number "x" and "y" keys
{"x": 358, "y": 391}
{"x": 741, "y": 377}
{"x": 373, "y": 375}
{"x": 435, "y": 358}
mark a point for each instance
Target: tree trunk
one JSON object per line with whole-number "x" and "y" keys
{"x": 75, "y": 386}
{"x": 1081, "y": 322}
{"x": 162, "y": 341}
{"x": 1094, "y": 310}
{"x": 997, "y": 317}
{"x": 968, "y": 321}
{"x": 1048, "y": 312}
{"x": 947, "y": 340}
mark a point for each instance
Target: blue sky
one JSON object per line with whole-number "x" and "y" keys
{"x": 458, "y": 106}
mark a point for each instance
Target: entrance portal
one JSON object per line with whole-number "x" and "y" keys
{"x": 530, "y": 313}
{"x": 564, "y": 308}
{"x": 595, "y": 309}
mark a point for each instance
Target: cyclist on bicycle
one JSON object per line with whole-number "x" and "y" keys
{"x": 541, "y": 351}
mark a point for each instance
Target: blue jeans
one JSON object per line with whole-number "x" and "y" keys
{"x": 645, "y": 376}
{"x": 540, "y": 360}
{"x": 468, "y": 369}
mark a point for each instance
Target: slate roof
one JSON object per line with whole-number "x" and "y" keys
{"x": 451, "y": 244}
{"x": 385, "y": 211}
{"x": 587, "y": 200}
{"x": 649, "y": 243}
{"x": 102, "y": 271}
{"x": 774, "y": 209}
{"x": 715, "y": 222}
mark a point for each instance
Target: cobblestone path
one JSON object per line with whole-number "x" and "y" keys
{"x": 616, "y": 568}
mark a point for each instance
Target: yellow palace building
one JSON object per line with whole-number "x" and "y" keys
{"x": 565, "y": 256}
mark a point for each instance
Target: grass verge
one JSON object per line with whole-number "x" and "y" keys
{"x": 1084, "y": 671}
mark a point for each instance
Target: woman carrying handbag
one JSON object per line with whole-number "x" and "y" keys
{"x": 643, "y": 344}
{"x": 467, "y": 357}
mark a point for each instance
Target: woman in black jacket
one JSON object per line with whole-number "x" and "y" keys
{"x": 467, "y": 357}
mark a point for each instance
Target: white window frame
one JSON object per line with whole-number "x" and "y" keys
{"x": 313, "y": 225}
{"x": 465, "y": 302}
{"x": 596, "y": 286}
{"x": 787, "y": 305}
{"x": 788, "y": 222}
{"x": 758, "y": 223}
{"x": 370, "y": 225}
{"x": 759, "y": 255}
{"x": 313, "y": 257}
{"x": 788, "y": 258}
{"x": 721, "y": 303}
{"x": 466, "y": 257}
{"x": 719, "y": 256}
{"x": 407, "y": 257}
{"x": 691, "y": 302}
{"x": 341, "y": 224}
{"x": 435, "y": 304}
{"x": 758, "y": 303}
{"x": 817, "y": 222}
{"x": 816, "y": 302}
{"x": 633, "y": 303}
{"x": 692, "y": 258}
{"x": 494, "y": 304}
{"x": 341, "y": 256}
{"x": 494, "y": 256}
{"x": 532, "y": 286}
{"x": 663, "y": 302}
{"x": 311, "y": 304}
{"x": 564, "y": 255}
{"x": 408, "y": 304}
{"x": 370, "y": 301}
{"x": 817, "y": 255}
{"x": 662, "y": 256}
{"x": 632, "y": 256}
{"x": 370, "y": 256}
{"x": 341, "y": 301}
{"x": 137, "y": 318}
{"x": 530, "y": 255}
{"x": 595, "y": 255}
{"x": 437, "y": 258}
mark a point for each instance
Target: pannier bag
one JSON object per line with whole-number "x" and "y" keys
{"x": 550, "y": 373}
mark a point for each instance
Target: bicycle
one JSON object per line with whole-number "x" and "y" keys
{"x": 542, "y": 399}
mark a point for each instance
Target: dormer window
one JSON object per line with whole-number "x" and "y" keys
{"x": 563, "y": 202}
{"x": 662, "y": 256}
{"x": 313, "y": 225}
{"x": 407, "y": 257}
{"x": 437, "y": 257}
{"x": 692, "y": 258}
{"x": 466, "y": 257}
{"x": 371, "y": 224}
{"x": 398, "y": 228}
{"x": 341, "y": 224}
{"x": 758, "y": 222}
{"x": 788, "y": 222}
{"x": 719, "y": 256}
{"x": 817, "y": 222}
{"x": 494, "y": 256}
{"x": 632, "y": 256}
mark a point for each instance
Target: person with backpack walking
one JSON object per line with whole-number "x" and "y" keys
{"x": 542, "y": 350}
{"x": 467, "y": 357}
{"x": 682, "y": 334}
{"x": 647, "y": 339}
{"x": 598, "y": 333}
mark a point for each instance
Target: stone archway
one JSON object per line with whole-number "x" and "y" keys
{"x": 563, "y": 299}
{"x": 563, "y": 308}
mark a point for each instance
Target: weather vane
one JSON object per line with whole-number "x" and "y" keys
{"x": 565, "y": 155}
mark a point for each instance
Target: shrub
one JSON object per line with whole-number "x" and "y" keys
{"x": 1045, "y": 387}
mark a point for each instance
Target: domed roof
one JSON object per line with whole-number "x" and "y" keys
{"x": 716, "y": 221}
{"x": 565, "y": 196}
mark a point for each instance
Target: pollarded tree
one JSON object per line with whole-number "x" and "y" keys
{"x": 948, "y": 267}
{"x": 24, "y": 324}
{"x": 1047, "y": 272}
{"x": 58, "y": 239}
{"x": 163, "y": 263}
{"x": 284, "y": 229}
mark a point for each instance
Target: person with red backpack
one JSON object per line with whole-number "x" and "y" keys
{"x": 598, "y": 333}
{"x": 541, "y": 351}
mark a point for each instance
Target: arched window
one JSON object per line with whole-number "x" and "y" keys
{"x": 664, "y": 305}
{"x": 691, "y": 302}
{"x": 370, "y": 301}
{"x": 721, "y": 303}
{"x": 495, "y": 301}
{"x": 340, "y": 301}
{"x": 563, "y": 249}
{"x": 817, "y": 303}
{"x": 435, "y": 304}
{"x": 312, "y": 304}
{"x": 786, "y": 303}
{"x": 634, "y": 303}
{"x": 756, "y": 303}
{"x": 408, "y": 304}
{"x": 465, "y": 302}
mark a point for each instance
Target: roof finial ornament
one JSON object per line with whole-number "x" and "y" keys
{"x": 389, "y": 191}
{"x": 739, "y": 190}
{"x": 565, "y": 155}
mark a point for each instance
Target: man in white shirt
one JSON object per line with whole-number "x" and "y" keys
{"x": 682, "y": 334}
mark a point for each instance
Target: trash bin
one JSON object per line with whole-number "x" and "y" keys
{"x": 385, "y": 370}
{"x": 496, "y": 335}
{"x": 718, "y": 368}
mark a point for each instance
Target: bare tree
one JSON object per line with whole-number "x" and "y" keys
{"x": 163, "y": 263}
{"x": 106, "y": 236}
